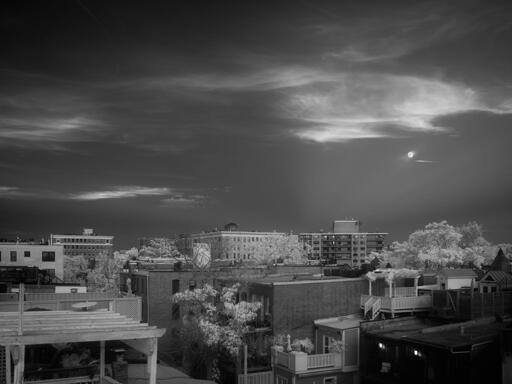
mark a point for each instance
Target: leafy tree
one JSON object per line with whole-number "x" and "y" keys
{"x": 214, "y": 327}
{"x": 101, "y": 275}
{"x": 285, "y": 249}
{"x": 158, "y": 248}
{"x": 439, "y": 245}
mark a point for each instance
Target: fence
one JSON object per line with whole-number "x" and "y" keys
{"x": 321, "y": 360}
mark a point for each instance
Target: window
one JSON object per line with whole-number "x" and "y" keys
{"x": 48, "y": 256}
{"x": 14, "y": 256}
{"x": 26, "y": 254}
{"x": 330, "y": 380}
{"x": 175, "y": 286}
{"x": 191, "y": 285}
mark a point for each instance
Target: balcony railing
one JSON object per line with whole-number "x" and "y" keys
{"x": 400, "y": 304}
{"x": 300, "y": 361}
{"x": 401, "y": 292}
{"x": 266, "y": 377}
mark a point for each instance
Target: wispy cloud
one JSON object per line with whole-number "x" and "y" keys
{"x": 371, "y": 105}
{"x": 168, "y": 197}
{"x": 122, "y": 192}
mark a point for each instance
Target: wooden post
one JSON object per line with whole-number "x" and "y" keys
{"x": 8, "y": 364}
{"x": 416, "y": 285}
{"x": 390, "y": 288}
{"x": 370, "y": 287}
{"x": 102, "y": 361}
{"x": 18, "y": 355}
{"x": 152, "y": 360}
{"x": 245, "y": 363}
{"x": 21, "y": 304}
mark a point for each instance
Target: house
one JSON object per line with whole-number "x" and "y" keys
{"x": 392, "y": 292}
{"x": 502, "y": 262}
{"x": 450, "y": 278}
{"x": 495, "y": 281}
{"x": 413, "y": 350}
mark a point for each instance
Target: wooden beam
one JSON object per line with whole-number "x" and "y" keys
{"x": 82, "y": 335}
{"x": 142, "y": 345}
{"x": 102, "y": 360}
{"x": 8, "y": 364}
{"x": 152, "y": 361}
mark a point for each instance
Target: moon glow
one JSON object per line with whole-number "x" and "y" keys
{"x": 410, "y": 154}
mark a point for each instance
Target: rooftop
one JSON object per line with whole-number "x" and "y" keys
{"x": 458, "y": 272}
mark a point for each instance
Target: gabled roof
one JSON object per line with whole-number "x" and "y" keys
{"x": 460, "y": 272}
{"x": 45, "y": 327}
{"x": 499, "y": 277}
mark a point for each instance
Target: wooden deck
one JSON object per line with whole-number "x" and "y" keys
{"x": 397, "y": 304}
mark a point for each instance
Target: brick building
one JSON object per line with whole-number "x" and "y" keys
{"x": 345, "y": 245}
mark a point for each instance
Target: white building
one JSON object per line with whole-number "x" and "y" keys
{"x": 87, "y": 244}
{"x": 49, "y": 258}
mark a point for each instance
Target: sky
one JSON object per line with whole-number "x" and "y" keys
{"x": 145, "y": 119}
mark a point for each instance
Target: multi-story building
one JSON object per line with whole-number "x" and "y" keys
{"x": 87, "y": 244}
{"x": 345, "y": 245}
{"x": 229, "y": 244}
{"x": 48, "y": 258}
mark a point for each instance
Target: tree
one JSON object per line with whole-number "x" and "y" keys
{"x": 214, "y": 327}
{"x": 439, "y": 245}
{"x": 100, "y": 275}
{"x": 158, "y": 248}
{"x": 285, "y": 249}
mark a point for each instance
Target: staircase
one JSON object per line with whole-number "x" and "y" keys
{"x": 372, "y": 307}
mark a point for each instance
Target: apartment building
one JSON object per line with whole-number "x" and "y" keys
{"x": 229, "y": 244}
{"x": 45, "y": 257}
{"x": 344, "y": 245}
{"x": 87, "y": 244}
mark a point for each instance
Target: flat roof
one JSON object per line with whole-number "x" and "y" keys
{"x": 45, "y": 327}
{"x": 290, "y": 279}
{"x": 339, "y": 323}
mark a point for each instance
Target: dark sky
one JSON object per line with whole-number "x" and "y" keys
{"x": 145, "y": 118}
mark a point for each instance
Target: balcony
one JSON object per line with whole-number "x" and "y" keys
{"x": 300, "y": 362}
{"x": 396, "y": 304}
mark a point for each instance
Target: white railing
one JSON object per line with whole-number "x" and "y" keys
{"x": 266, "y": 377}
{"x": 401, "y": 292}
{"x": 321, "y": 360}
{"x": 283, "y": 359}
{"x": 376, "y": 308}
{"x": 389, "y": 304}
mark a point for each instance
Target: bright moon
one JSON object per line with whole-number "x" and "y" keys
{"x": 410, "y": 155}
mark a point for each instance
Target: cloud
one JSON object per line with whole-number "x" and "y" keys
{"x": 122, "y": 192}
{"x": 170, "y": 197}
{"x": 372, "y": 105}
{"x": 63, "y": 129}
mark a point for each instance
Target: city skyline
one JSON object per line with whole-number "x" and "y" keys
{"x": 147, "y": 120}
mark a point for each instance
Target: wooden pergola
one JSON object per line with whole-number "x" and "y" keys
{"x": 52, "y": 327}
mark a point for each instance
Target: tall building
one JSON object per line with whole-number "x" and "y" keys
{"x": 87, "y": 244}
{"x": 345, "y": 245}
{"x": 48, "y": 258}
{"x": 228, "y": 244}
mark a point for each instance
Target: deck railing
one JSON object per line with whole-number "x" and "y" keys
{"x": 129, "y": 306}
{"x": 266, "y": 377}
{"x": 403, "y": 304}
{"x": 321, "y": 360}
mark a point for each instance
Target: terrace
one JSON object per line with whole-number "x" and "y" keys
{"x": 399, "y": 296}
{"x": 19, "y": 330}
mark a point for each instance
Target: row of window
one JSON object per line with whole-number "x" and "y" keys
{"x": 47, "y": 256}
{"x": 78, "y": 240}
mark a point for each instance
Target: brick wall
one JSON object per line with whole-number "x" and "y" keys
{"x": 296, "y": 306}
